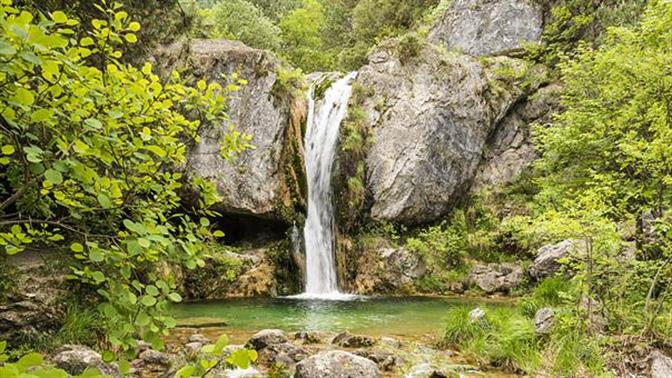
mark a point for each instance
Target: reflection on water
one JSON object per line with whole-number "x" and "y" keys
{"x": 398, "y": 316}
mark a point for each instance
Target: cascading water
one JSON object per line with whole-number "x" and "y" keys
{"x": 324, "y": 119}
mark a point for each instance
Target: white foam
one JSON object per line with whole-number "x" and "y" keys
{"x": 335, "y": 296}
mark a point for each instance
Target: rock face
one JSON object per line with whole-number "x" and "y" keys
{"x": 543, "y": 321}
{"x": 262, "y": 182}
{"x": 510, "y": 148}
{"x": 493, "y": 278}
{"x": 35, "y": 286}
{"x": 661, "y": 365}
{"x": 430, "y": 118}
{"x": 74, "y": 359}
{"x": 388, "y": 270}
{"x": 547, "y": 261}
{"x": 488, "y": 27}
{"x": 336, "y": 364}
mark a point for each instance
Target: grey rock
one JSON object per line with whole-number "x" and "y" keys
{"x": 388, "y": 270}
{"x": 390, "y": 342}
{"x": 198, "y": 338}
{"x": 547, "y": 261}
{"x": 21, "y": 319}
{"x": 510, "y": 148}
{"x": 386, "y": 360}
{"x": 488, "y": 27}
{"x": 477, "y": 315}
{"x": 430, "y": 119}
{"x": 426, "y": 370}
{"x": 74, "y": 359}
{"x": 309, "y": 337}
{"x": 348, "y": 340}
{"x": 267, "y": 337}
{"x": 493, "y": 278}
{"x": 661, "y": 365}
{"x": 193, "y": 348}
{"x": 255, "y": 183}
{"x": 154, "y": 363}
{"x": 337, "y": 364}
{"x": 543, "y": 321}
{"x": 286, "y": 354}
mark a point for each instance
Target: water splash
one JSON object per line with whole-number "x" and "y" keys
{"x": 324, "y": 120}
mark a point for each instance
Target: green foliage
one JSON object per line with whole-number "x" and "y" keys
{"x": 240, "y": 20}
{"x": 302, "y": 44}
{"x": 210, "y": 359}
{"x": 409, "y": 46}
{"x": 33, "y": 365}
{"x": 443, "y": 246}
{"x": 90, "y": 149}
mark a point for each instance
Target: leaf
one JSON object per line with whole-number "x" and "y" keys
{"x": 108, "y": 356}
{"x": 8, "y": 149}
{"x": 49, "y": 373}
{"x": 96, "y": 256}
{"x": 86, "y": 41}
{"x": 76, "y": 247}
{"x": 23, "y": 97}
{"x": 143, "y": 319}
{"x": 152, "y": 290}
{"x": 148, "y": 300}
{"x": 175, "y": 297}
{"x": 186, "y": 371}
{"x": 202, "y": 85}
{"x": 131, "y": 38}
{"x": 222, "y": 342}
{"x": 3, "y": 346}
{"x": 104, "y": 200}
{"x": 59, "y": 17}
{"x": 29, "y": 360}
{"x": 53, "y": 176}
{"x": 41, "y": 115}
{"x": 98, "y": 277}
{"x": 134, "y": 26}
{"x": 94, "y": 123}
{"x": 6, "y": 48}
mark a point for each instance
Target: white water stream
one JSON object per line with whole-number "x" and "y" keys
{"x": 324, "y": 120}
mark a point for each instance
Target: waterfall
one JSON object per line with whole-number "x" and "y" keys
{"x": 324, "y": 119}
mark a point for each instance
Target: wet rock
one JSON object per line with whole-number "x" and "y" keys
{"x": 267, "y": 337}
{"x": 151, "y": 363}
{"x": 661, "y": 365}
{"x": 477, "y": 315}
{"x": 488, "y": 27}
{"x": 543, "y": 321}
{"x": 74, "y": 359}
{"x": 386, "y": 360}
{"x": 548, "y": 258}
{"x": 388, "y": 270}
{"x": 337, "y": 364}
{"x": 286, "y": 354}
{"x": 309, "y": 337}
{"x": 426, "y": 370}
{"x": 258, "y": 183}
{"x": 391, "y": 342}
{"x": 493, "y": 278}
{"x": 430, "y": 119}
{"x": 348, "y": 340}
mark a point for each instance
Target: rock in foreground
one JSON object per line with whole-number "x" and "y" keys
{"x": 336, "y": 364}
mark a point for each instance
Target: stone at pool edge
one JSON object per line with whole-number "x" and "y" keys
{"x": 348, "y": 340}
{"x": 74, "y": 359}
{"x": 336, "y": 364}
{"x": 267, "y": 337}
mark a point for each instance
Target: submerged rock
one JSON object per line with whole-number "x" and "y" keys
{"x": 548, "y": 258}
{"x": 336, "y": 364}
{"x": 74, "y": 359}
{"x": 493, "y": 278}
{"x": 267, "y": 337}
{"x": 348, "y": 340}
{"x": 543, "y": 321}
{"x": 430, "y": 116}
{"x": 488, "y": 27}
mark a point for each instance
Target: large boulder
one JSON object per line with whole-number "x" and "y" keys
{"x": 336, "y": 364}
{"x": 430, "y": 116}
{"x": 493, "y": 278}
{"x": 264, "y": 182}
{"x": 388, "y": 270}
{"x": 548, "y": 258}
{"x": 487, "y": 27}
